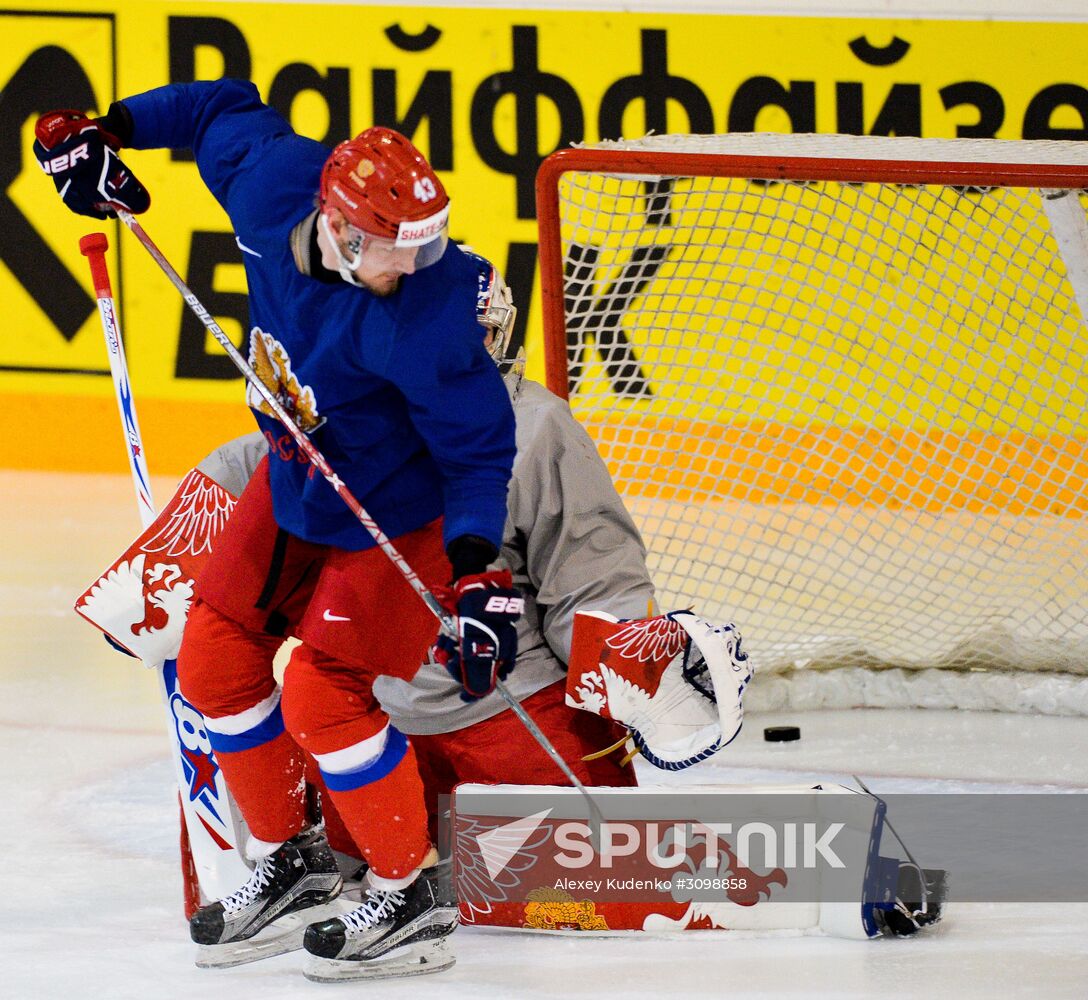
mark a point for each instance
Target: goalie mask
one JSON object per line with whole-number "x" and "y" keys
{"x": 495, "y": 309}
{"x": 675, "y": 681}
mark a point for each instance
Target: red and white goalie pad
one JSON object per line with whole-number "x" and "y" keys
{"x": 789, "y": 857}
{"x": 675, "y": 681}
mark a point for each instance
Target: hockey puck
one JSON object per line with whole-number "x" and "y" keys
{"x": 782, "y": 734}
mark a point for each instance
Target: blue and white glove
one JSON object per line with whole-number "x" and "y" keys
{"x": 486, "y": 607}
{"x": 79, "y": 153}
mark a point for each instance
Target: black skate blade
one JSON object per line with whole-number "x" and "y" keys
{"x": 421, "y": 958}
{"x": 278, "y": 938}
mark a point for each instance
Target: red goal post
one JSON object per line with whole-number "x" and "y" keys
{"x": 840, "y": 382}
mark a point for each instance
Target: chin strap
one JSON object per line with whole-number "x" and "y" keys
{"x": 343, "y": 265}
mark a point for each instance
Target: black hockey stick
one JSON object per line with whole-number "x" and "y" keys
{"x": 445, "y": 619}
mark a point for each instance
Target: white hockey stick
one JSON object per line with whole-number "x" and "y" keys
{"x": 93, "y": 246}
{"x": 217, "y": 856}
{"x": 445, "y": 620}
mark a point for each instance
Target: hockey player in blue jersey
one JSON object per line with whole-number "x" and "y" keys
{"x": 364, "y": 325}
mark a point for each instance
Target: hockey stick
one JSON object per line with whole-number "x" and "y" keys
{"x": 222, "y": 867}
{"x": 445, "y": 620}
{"x": 93, "y": 246}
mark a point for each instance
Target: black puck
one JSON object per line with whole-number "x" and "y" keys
{"x": 782, "y": 734}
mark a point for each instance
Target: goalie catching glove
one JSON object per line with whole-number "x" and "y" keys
{"x": 675, "y": 681}
{"x": 486, "y": 607}
{"x": 79, "y": 153}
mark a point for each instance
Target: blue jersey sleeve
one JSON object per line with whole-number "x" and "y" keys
{"x": 248, "y": 155}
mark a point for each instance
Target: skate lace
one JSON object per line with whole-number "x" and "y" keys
{"x": 261, "y": 877}
{"x": 379, "y": 904}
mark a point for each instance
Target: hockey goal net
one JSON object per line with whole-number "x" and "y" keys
{"x": 840, "y": 382}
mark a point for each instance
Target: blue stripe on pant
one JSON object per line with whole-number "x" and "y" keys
{"x": 396, "y": 746}
{"x": 264, "y": 732}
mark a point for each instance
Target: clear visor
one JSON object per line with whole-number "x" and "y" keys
{"x": 389, "y": 255}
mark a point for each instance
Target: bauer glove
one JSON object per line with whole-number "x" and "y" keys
{"x": 80, "y": 155}
{"x": 486, "y": 607}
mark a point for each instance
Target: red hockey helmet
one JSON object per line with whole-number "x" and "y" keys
{"x": 387, "y": 193}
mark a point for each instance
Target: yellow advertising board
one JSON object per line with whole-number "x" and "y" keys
{"x": 485, "y": 93}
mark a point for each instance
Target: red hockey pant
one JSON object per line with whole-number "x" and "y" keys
{"x": 357, "y": 618}
{"x": 501, "y": 750}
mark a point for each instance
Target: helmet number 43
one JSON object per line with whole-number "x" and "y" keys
{"x": 424, "y": 190}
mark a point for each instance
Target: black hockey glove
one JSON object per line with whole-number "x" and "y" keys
{"x": 80, "y": 155}
{"x": 486, "y": 607}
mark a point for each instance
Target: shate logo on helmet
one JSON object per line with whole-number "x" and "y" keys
{"x": 413, "y": 234}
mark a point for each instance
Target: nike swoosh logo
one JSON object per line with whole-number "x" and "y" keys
{"x": 245, "y": 249}
{"x": 330, "y": 617}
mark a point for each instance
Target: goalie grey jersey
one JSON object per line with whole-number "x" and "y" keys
{"x": 568, "y": 541}
{"x": 570, "y": 545}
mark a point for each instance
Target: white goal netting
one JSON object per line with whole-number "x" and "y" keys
{"x": 840, "y": 382}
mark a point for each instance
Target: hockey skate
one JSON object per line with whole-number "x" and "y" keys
{"x": 290, "y": 888}
{"x": 395, "y": 933}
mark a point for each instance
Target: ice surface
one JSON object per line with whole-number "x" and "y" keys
{"x": 92, "y": 888}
